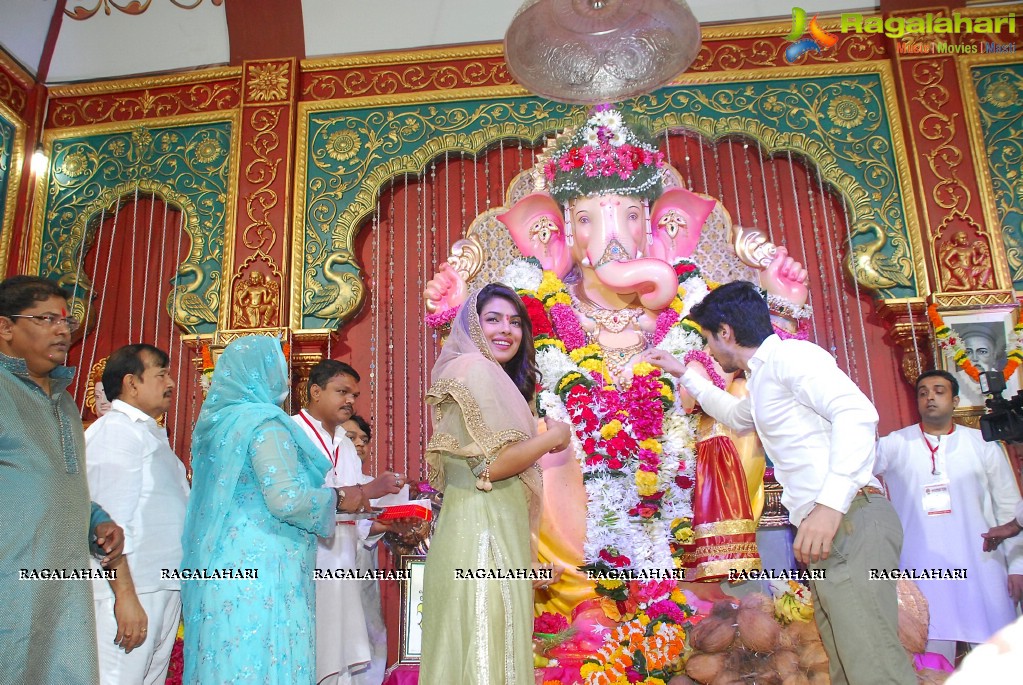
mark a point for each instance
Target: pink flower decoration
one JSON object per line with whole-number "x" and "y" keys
{"x": 566, "y": 324}
{"x": 708, "y": 364}
{"x": 441, "y": 319}
{"x": 665, "y": 320}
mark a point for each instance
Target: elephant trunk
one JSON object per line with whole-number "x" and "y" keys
{"x": 653, "y": 279}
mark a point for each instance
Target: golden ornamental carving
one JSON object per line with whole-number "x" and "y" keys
{"x": 965, "y": 264}
{"x": 467, "y": 257}
{"x": 268, "y": 82}
{"x": 257, "y": 301}
{"x": 869, "y": 265}
{"x": 185, "y": 304}
{"x": 775, "y": 514}
{"x": 132, "y": 7}
{"x": 910, "y": 331}
{"x": 259, "y": 233}
{"x": 752, "y": 246}
{"x": 95, "y": 377}
{"x": 939, "y": 125}
{"x": 415, "y": 77}
{"x": 12, "y": 94}
{"x": 98, "y": 109}
{"x": 342, "y": 292}
{"x": 974, "y": 299}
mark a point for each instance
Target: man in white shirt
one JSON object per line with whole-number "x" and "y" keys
{"x": 366, "y": 559}
{"x": 137, "y": 478}
{"x": 949, "y": 486}
{"x": 342, "y": 642}
{"x": 818, "y": 429}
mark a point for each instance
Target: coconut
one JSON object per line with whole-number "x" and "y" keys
{"x": 785, "y": 662}
{"x": 758, "y": 600}
{"x": 758, "y": 631}
{"x": 712, "y": 634}
{"x": 797, "y": 678}
{"x": 813, "y": 657}
{"x": 705, "y": 667}
{"x": 804, "y": 632}
{"x": 788, "y": 638}
{"x": 913, "y": 617}
{"x": 728, "y": 677}
{"x": 930, "y": 676}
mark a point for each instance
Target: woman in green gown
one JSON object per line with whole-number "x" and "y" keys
{"x": 477, "y": 622}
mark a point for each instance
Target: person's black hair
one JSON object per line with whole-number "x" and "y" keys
{"x": 938, "y": 373}
{"x": 324, "y": 370}
{"x": 18, "y": 293}
{"x": 522, "y": 367}
{"x": 740, "y": 305}
{"x": 363, "y": 425}
{"x": 129, "y": 360}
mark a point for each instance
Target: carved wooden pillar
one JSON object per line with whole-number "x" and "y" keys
{"x": 960, "y": 231}
{"x": 262, "y": 210}
{"x": 910, "y": 332}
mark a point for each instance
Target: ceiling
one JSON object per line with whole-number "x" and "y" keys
{"x": 118, "y": 38}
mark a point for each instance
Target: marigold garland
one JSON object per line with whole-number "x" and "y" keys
{"x": 949, "y": 339}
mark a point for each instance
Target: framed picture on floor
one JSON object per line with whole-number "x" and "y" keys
{"x": 987, "y": 336}
{"x": 410, "y": 628}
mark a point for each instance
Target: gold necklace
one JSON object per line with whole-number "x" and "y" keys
{"x": 611, "y": 320}
{"x": 616, "y": 358}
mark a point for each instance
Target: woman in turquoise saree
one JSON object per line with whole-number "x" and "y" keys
{"x": 482, "y": 455}
{"x": 257, "y": 505}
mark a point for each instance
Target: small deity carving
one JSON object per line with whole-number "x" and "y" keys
{"x": 256, "y": 301}
{"x": 966, "y": 265}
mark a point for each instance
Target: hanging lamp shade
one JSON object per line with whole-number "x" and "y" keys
{"x": 595, "y": 51}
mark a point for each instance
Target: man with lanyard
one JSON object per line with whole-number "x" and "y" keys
{"x": 949, "y": 487}
{"x": 342, "y": 643}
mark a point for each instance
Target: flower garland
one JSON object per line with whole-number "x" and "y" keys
{"x": 636, "y": 452}
{"x": 648, "y": 643}
{"x": 951, "y": 341}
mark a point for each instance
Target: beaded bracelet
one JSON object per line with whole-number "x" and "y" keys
{"x": 782, "y": 307}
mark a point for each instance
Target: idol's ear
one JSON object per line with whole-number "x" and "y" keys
{"x": 537, "y": 226}
{"x": 676, "y": 221}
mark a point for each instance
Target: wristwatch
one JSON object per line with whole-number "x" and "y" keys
{"x": 341, "y": 494}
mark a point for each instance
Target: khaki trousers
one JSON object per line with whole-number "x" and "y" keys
{"x": 857, "y": 616}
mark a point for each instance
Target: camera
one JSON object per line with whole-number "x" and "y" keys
{"x": 1004, "y": 418}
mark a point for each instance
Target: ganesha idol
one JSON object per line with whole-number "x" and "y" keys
{"x": 610, "y": 252}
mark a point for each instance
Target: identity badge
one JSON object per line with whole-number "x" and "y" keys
{"x": 937, "y": 499}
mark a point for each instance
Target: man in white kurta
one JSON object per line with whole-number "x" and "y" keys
{"x": 342, "y": 643}
{"x": 135, "y": 475}
{"x": 949, "y": 487}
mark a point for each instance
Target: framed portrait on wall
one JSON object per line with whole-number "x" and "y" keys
{"x": 410, "y": 626}
{"x": 986, "y": 334}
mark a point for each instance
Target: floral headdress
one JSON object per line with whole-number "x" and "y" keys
{"x": 603, "y": 156}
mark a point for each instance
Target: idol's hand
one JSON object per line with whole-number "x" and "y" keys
{"x": 785, "y": 277}
{"x": 446, "y": 290}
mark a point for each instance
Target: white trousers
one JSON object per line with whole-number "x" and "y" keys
{"x": 147, "y": 663}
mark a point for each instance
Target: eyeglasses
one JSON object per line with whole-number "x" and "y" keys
{"x": 51, "y": 320}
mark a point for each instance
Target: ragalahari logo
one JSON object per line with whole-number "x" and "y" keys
{"x": 818, "y": 38}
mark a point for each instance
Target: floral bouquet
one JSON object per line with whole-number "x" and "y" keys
{"x": 551, "y": 630}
